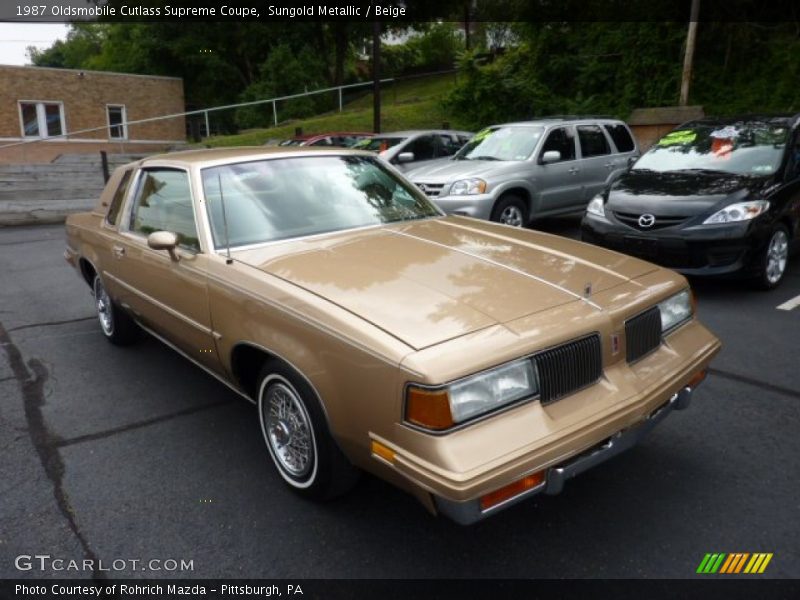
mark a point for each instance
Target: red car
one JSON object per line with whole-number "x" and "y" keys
{"x": 344, "y": 139}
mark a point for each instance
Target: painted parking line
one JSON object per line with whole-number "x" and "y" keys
{"x": 790, "y": 304}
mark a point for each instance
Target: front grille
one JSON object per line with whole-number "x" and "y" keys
{"x": 569, "y": 367}
{"x": 632, "y": 220}
{"x": 643, "y": 334}
{"x": 431, "y": 189}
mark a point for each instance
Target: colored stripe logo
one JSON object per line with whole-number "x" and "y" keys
{"x": 734, "y": 563}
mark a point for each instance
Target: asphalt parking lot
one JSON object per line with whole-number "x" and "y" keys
{"x": 133, "y": 453}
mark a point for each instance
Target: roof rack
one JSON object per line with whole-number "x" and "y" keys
{"x": 574, "y": 117}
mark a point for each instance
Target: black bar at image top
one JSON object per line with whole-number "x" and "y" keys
{"x": 395, "y": 12}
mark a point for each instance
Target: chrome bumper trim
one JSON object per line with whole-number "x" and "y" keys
{"x": 470, "y": 512}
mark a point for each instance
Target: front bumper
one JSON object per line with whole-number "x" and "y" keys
{"x": 470, "y": 512}
{"x": 711, "y": 250}
{"x": 478, "y": 206}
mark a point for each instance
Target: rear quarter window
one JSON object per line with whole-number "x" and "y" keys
{"x": 621, "y": 137}
{"x": 119, "y": 196}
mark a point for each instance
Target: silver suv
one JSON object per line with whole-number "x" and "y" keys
{"x": 516, "y": 172}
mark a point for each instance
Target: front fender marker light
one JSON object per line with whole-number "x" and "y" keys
{"x": 513, "y": 489}
{"x": 384, "y": 452}
{"x": 428, "y": 408}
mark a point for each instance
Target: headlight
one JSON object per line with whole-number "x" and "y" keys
{"x": 466, "y": 187}
{"x": 596, "y": 206}
{"x": 741, "y": 211}
{"x": 472, "y": 396}
{"x": 675, "y": 310}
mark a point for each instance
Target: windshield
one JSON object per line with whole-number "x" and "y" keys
{"x": 754, "y": 148}
{"x": 501, "y": 143}
{"x": 378, "y": 144}
{"x": 285, "y": 198}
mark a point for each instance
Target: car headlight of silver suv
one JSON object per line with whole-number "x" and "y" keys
{"x": 468, "y": 187}
{"x": 676, "y": 310}
{"x": 740, "y": 211}
{"x": 597, "y": 207}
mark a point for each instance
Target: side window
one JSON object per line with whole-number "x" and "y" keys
{"x": 423, "y": 148}
{"x": 119, "y": 196}
{"x": 593, "y": 141}
{"x": 448, "y": 145}
{"x": 562, "y": 140}
{"x": 622, "y": 139}
{"x": 164, "y": 203}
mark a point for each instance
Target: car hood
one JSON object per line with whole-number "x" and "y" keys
{"x": 448, "y": 170}
{"x": 679, "y": 193}
{"x": 430, "y": 281}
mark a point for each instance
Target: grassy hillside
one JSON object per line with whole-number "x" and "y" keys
{"x": 411, "y": 104}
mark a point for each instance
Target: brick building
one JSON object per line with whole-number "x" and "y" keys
{"x": 39, "y": 105}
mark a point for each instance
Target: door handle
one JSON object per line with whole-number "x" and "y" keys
{"x": 573, "y": 170}
{"x": 609, "y": 165}
{"x": 119, "y": 251}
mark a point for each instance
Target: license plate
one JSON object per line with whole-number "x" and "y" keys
{"x": 640, "y": 246}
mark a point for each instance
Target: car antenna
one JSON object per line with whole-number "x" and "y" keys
{"x": 228, "y": 259}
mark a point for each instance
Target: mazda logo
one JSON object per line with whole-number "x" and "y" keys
{"x": 423, "y": 187}
{"x": 646, "y": 221}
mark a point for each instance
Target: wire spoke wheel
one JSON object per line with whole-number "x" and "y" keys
{"x": 105, "y": 311}
{"x": 287, "y": 428}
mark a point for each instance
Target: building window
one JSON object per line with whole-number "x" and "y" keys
{"x": 41, "y": 119}
{"x": 117, "y": 122}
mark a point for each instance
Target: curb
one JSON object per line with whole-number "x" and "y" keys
{"x": 39, "y": 217}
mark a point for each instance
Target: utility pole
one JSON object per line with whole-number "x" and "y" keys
{"x": 376, "y": 76}
{"x": 688, "y": 59}
{"x": 466, "y": 25}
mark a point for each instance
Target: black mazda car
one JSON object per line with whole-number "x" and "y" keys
{"x": 712, "y": 197}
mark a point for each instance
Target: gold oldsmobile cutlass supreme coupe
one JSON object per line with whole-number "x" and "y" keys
{"x": 470, "y": 363}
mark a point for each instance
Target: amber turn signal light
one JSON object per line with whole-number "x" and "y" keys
{"x": 696, "y": 379}
{"x": 513, "y": 489}
{"x": 428, "y": 408}
{"x": 384, "y": 452}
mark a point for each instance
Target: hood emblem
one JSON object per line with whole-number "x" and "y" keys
{"x": 646, "y": 221}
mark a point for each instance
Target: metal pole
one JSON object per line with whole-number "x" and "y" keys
{"x": 340, "y": 99}
{"x": 688, "y": 59}
{"x": 376, "y": 76}
{"x": 275, "y": 113}
{"x": 208, "y": 128}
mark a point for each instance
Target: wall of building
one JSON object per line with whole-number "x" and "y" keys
{"x": 84, "y": 95}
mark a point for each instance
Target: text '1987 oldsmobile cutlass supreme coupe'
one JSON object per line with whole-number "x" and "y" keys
{"x": 470, "y": 363}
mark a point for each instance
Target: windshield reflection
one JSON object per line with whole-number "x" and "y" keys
{"x": 501, "y": 143}
{"x": 740, "y": 148}
{"x": 286, "y": 198}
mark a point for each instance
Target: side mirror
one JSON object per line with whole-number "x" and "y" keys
{"x": 632, "y": 160}
{"x": 551, "y": 156}
{"x": 405, "y": 157}
{"x": 164, "y": 240}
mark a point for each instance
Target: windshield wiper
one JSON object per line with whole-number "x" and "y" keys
{"x": 704, "y": 171}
